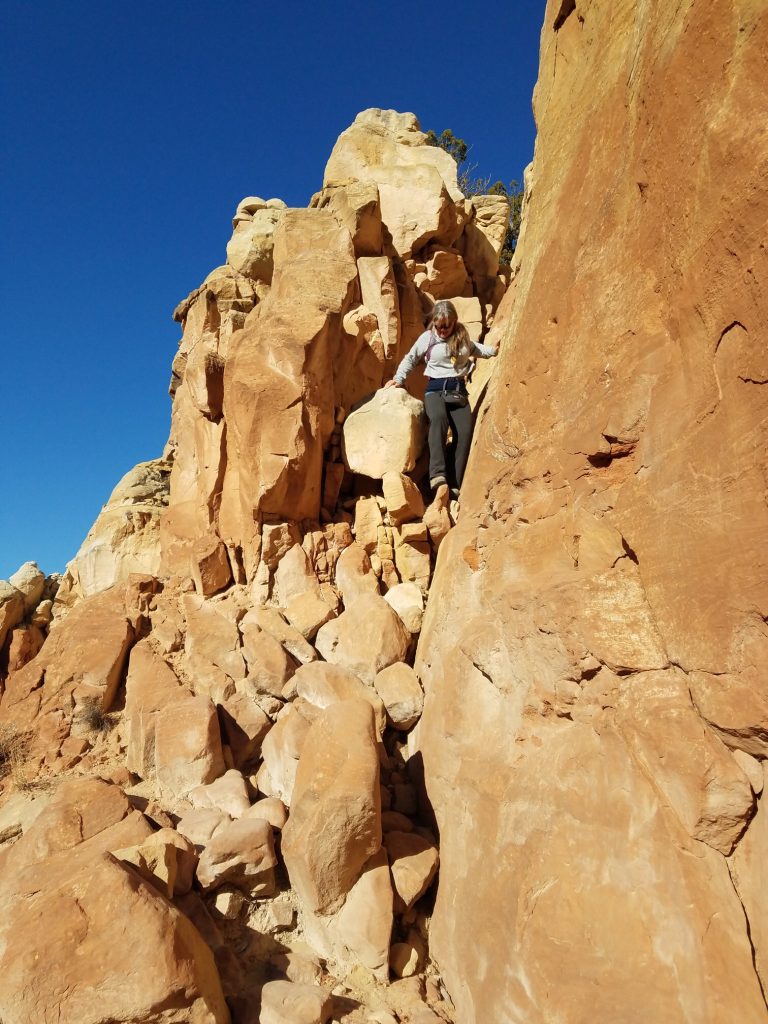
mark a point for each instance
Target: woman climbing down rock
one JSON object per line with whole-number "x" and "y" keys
{"x": 448, "y": 350}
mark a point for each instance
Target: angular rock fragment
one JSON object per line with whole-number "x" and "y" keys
{"x": 280, "y": 752}
{"x": 244, "y": 725}
{"x": 408, "y": 601}
{"x": 187, "y": 746}
{"x": 210, "y": 565}
{"x": 30, "y": 582}
{"x": 403, "y": 498}
{"x": 413, "y": 862}
{"x": 323, "y": 684}
{"x": 269, "y": 664}
{"x": 354, "y": 575}
{"x": 287, "y": 1002}
{"x": 166, "y": 859}
{"x": 240, "y": 853}
{"x": 400, "y": 690}
{"x": 227, "y": 793}
{"x": 307, "y": 612}
{"x": 365, "y": 638}
{"x": 271, "y": 621}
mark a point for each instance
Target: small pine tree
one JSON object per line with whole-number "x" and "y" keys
{"x": 472, "y": 184}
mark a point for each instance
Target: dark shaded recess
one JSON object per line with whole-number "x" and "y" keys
{"x": 567, "y": 7}
{"x": 629, "y": 552}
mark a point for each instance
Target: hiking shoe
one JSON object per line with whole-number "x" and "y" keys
{"x": 437, "y": 481}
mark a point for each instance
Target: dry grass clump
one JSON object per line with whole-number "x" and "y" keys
{"x": 92, "y": 716}
{"x": 14, "y": 748}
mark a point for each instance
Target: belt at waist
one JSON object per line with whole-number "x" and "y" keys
{"x": 447, "y": 384}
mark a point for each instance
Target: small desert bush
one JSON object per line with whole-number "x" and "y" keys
{"x": 92, "y": 716}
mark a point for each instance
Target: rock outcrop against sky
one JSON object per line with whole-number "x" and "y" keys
{"x": 293, "y": 741}
{"x": 205, "y": 722}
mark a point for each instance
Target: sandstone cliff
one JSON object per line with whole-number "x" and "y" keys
{"x": 595, "y": 648}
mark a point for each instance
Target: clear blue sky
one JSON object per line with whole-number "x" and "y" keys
{"x": 129, "y": 132}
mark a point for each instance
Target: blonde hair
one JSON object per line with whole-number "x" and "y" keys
{"x": 459, "y": 344}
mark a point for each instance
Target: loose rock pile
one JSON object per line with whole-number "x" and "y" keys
{"x": 213, "y": 742}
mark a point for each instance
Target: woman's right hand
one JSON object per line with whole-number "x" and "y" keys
{"x": 392, "y": 384}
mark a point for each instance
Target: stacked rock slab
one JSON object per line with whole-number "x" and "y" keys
{"x": 595, "y": 697}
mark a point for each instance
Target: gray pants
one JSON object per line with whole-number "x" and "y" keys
{"x": 441, "y": 416}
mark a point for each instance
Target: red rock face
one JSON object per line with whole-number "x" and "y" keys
{"x": 595, "y": 643}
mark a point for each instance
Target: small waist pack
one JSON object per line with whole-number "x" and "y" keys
{"x": 455, "y": 399}
{"x": 453, "y": 391}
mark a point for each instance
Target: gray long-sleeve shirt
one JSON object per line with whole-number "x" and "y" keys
{"x": 439, "y": 363}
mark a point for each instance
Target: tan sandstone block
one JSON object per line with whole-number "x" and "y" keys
{"x": 280, "y": 753}
{"x": 244, "y": 725}
{"x": 29, "y": 580}
{"x": 270, "y": 809}
{"x": 73, "y": 924}
{"x": 335, "y": 822}
{"x": 166, "y": 859}
{"x": 210, "y": 565}
{"x": 323, "y": 684}
{"x": 446, "y": 274}
{"x": 365, "y": 638}
{"x": 286, "y": 1002}
{"x": 403, "y": 498}
{"x": 367, "y": 522}
{"x": 413, "y": 561}
{"x": 362, "y": 929}
{"x": 408, "y": 601}
{"x": 413, "y": 862}
{"x": 272, "y": 622}
{"x": 11, "y": 608}
{"x": 400, "y": 690}
{"x": 269, "y": 664}
{"x": 378, "y": 289}
{"x": 294, "y": 576}
{"x": 228, "y": 793}
{"x": 308, "y": 612}
{"x": 384, "y": 434}
{"x": 419, "y": 197}
{"x": 240, "y": 853}
{"x": 354, "y": 574}
{"x": 187, "y": 746}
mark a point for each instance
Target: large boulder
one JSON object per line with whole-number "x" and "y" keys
{"x": 82, "y": 662}
{"x": 29, "y": 580}
{"x": 482, "y": 240}
{"x": 240, "y": 853}
{"x": 250, "y": 250}
{"x": 125, "y": 537}
{"x": 384, "y": 434}
{"x": 367, "y": 637}
{"x": 322, "y": 684}
{"x": 79, "y": 927}
{"x": 420, "y": 200}
{"x": 335, "y": 822}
